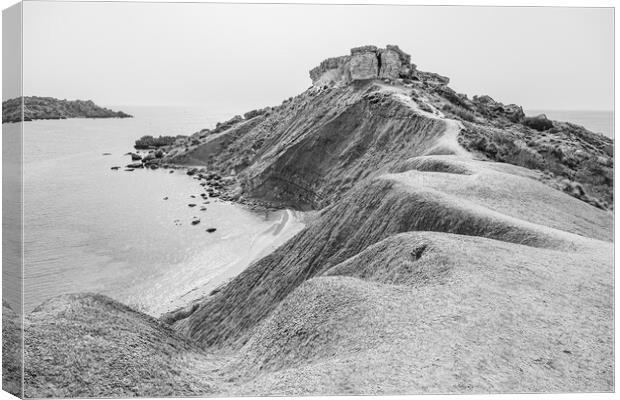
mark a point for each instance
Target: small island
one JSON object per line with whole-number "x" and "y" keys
{"x": 50, "y": 108}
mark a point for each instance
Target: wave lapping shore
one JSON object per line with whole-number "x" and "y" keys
{"x": 459, "y": 246}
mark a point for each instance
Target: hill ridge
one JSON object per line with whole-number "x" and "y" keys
{"x": 459, "y": 246}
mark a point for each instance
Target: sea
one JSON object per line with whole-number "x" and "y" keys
{"x": 88, "y": 228}
{"x": 596, "y": 121}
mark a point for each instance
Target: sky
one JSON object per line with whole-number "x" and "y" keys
{"x": 11, "y": 51}
{"x": 238, "y": 56}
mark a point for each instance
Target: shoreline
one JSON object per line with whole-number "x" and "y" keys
{"x": 281, "y": 225}
{"x": 286, "y": 224}
{"x": 216, "y": 186}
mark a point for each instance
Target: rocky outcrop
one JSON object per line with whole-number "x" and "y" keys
{"x": 255, "y": 113}
{"x": 330, "y": 64}
{"x": 433, "y": 78}
{"x": 150, "y": 142}
{"x": 395, "y": 63}
{"x": 538, "y": 122}
{"x": 50, "y": 108}
{"x": 494, "y": 109}
{"x": 390, "y": 65}
{"x": 365, "y": 62}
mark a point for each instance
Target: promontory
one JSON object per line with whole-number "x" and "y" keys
{"x": 458, "y": 246}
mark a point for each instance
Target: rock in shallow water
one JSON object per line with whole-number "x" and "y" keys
{"x": 134, "y": 165}
{"x": 211, "y": 230}
{"x": 148, "y": 157}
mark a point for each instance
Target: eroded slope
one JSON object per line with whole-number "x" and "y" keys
{"x": 433, "y": 313}
{"x": 481, "y": 204}
{"x": 315, "y": 147}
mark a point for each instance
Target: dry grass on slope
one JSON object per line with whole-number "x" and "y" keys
{"x": 374, "y": 211}
{"x": 89, "y": 345}
{"x": 564, "y": 152}
{"x": 431, "y": 312}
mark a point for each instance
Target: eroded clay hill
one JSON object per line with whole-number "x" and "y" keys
{"x": 373, "y": 108}
{"x": 438, "y": 261}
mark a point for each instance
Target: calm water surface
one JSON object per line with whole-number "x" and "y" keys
{"x": 89, "y": 228}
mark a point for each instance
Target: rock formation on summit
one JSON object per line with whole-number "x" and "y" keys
{"x": 365, "y": 62}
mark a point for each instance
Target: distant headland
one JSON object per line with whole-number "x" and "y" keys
{"x": 36, "y": 107}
